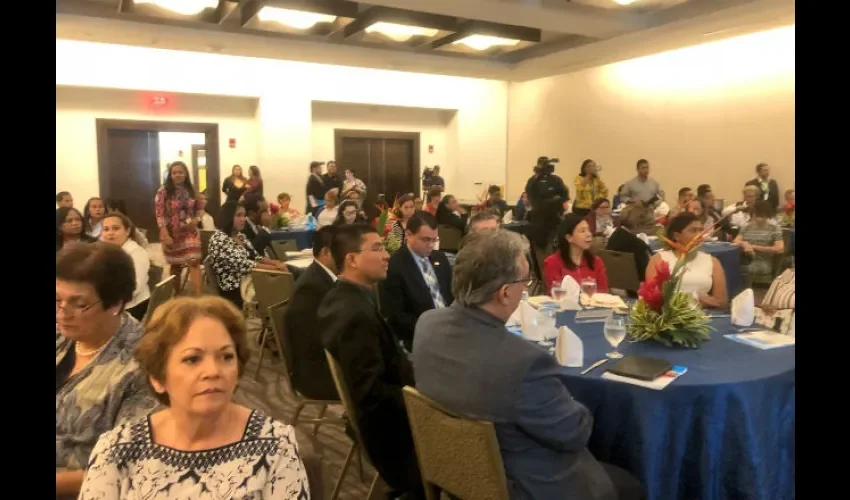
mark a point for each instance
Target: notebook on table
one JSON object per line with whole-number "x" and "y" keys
{"x": 641, "y": 367}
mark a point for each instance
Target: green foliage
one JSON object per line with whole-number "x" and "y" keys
{"x": 280, "y": 222}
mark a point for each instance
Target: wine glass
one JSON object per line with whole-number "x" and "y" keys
{"x": 615, "y": 332}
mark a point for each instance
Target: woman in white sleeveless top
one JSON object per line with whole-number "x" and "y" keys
{"x": 703, "y": 275}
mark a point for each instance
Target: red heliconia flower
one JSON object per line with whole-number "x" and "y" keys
{"x": 273, "y": 208}
{"x": 650, "y": 292}
{"x": 662, "y": 272}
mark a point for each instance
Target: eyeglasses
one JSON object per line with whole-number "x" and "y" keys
{"x": 74, "y": 309}
{"x": 378, "y": 247}
{"x": 430, "y": 241}
{"x": 349, "y": 213}
{"x": 527, "y": 282}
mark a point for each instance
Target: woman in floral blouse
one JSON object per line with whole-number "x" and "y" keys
{"x": 589, "y": 187}
{"x": 232, "y": 255}
{"x": 177, "y": 219}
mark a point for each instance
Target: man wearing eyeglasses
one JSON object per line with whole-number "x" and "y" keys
{"x": 419, "y": 278}
{"x": 466, "y": 360}
{"x": 373, "y": 365}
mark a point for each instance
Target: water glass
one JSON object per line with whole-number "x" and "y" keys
{"x": 588, "y": 287}
{"x": 546, "y": 322}
{"x": 615, "y": 333}
{"x": 558, "y": 293}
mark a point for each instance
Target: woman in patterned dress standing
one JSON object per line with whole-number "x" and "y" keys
{"x": 177, "y": 220}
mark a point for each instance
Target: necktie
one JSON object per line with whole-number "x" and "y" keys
{"x": 433, "y": 284}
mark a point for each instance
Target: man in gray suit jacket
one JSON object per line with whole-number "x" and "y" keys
{"x": 465, "y": 359}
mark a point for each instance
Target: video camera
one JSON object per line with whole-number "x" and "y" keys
{"x": 545, "y": 165}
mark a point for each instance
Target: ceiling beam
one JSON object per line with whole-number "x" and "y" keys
{"x": 566, "y": 18}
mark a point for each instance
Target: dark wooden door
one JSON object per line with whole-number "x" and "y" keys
{"x": 132, "y": 174}
{"x": 387, "y": 165}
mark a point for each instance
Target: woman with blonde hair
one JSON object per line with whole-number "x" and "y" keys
{"x": 327, "y": 215}
{"x": 201, "y": 444}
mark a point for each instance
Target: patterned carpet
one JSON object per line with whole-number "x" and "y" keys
{"x": 269, "y": 393}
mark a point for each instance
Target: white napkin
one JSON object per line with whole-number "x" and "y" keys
{"x": 528, "y": 322}
{"x": 572, "y": 291}
{"x": 643, "y": 237}
{"x": 569, "y": 349}
{"x": 743, "y": 308}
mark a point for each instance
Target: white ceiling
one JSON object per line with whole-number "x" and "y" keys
{"x": 620, "y": 32}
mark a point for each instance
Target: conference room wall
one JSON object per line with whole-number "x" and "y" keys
{"x": 77, "y": 109}
{"x": 704, "y": 114}
{"x": 286, "y": 91}
{"x": 431, "y": 124}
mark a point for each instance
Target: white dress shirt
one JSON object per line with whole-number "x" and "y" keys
{"x": 142, "y": 264}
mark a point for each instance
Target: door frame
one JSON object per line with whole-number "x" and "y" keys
{"x": 210, "y": 131}
{"x": 340, "y": 134}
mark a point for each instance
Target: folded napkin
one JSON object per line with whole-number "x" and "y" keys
{"x": 572, "y": 292}
{"x": 569, "y": 349}
{"x": 743, "y": 308}
{"x": 600, "y": 299}
{"x": 528, "y": 322}
{"x": 643, "y": 237}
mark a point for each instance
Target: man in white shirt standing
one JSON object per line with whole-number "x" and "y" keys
{"x": 642, "y": 188}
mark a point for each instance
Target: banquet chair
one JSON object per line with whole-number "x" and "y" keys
{"x": 280, "y": 247}
{"x": 270, "y": 287}
{"x": 210, "y": 280}
{"x": 154, "y": 275}
{"x": 598, "y": 244}
{"x": 449, "y": 238}
{"x": 456, "y": 455}
{"x": 206, "y": 234}
{"x": 348, "y": 404}
{"x": 161, "y": 293}
{"x": 621, "y": 269}
{"x": 276, "y": 314}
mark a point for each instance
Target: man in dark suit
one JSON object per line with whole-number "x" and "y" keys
{"x": 419, "y": 278}
{"x": 768, "y": 187}
{"x": 466, "y": 360}
{"x": 316, "y": 189}
{"x": 332, "y": 179}
{"x": 374, "y": 366}
{"x": 309, "y": 371}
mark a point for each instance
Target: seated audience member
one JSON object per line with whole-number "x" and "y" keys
{"x": 760, "y": 240}
{"x": 263, "y": 240}
{"x": 205, "y": 220}
{"x": 349, "y": 213}
{"x": 232, "y": 255}
{"x": 616, "y": 201}
{"x": 327, "y": 214}
{"x": 521, "y": 207}
{"x": 599, "y": 219}
{"x": 283, "y": 200}
{"x": 419, "y": 278}
{"x": 697, "y": 207}
{"x": 403, "y": 213}
{"x": 69, "y": 227}
{"x": 433, "y": 201}
{"x": 741, "y": 211}
{"x": 703, "y": 275}
{"x": 418, "y": 203}
{"x": 254, "y": 206}
{"x": 450, "y": 213}
{"x": 789, "y": 209}
{"x": 781, "y": 294}
{"x": 495, "y": 201}
{"x": 483, "y": 221}
{"x": 573, "y": 257}
{"x": 114, "y": 205}
{"x": 624, "y": 239}
{"x": 64, "y": 199}
{"x": 98, "y": 385}
{"x": 465, "y": 359}
{"x": 373, "y": 364}
{"x": 311, "y": 376}
{"x": 118, "y": 230}
{"x": 93, "y": 214}
{"x": 201, "y": 443}
{"x": 685, "y": 197}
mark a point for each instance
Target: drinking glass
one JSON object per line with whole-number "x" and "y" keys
{"x": 557, "y": 292}
{"x": 615, "y": 332}
{"x": 588, "y": 287}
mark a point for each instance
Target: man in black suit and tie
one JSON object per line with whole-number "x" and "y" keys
{"x": 309, "y": 371}
{"x": 419, "y": 278}
{"x": 374, "y": 366}
{"x": 768, "y": 187}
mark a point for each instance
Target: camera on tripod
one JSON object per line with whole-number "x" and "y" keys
{"x": 546, "y": 165}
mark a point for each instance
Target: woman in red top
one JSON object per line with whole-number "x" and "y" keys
{"x": 573, "y": 257}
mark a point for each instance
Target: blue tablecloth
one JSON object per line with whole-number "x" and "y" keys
{"x": 303, "y": 238}
{"x": 729, "y": 256}
{"x": 723, "y": 430}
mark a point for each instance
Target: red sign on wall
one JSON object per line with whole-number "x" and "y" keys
{"x": 232, "y": 143}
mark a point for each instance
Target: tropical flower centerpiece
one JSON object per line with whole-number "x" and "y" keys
{"x": 666, "y": 314}
{"x": 391, "y": 242}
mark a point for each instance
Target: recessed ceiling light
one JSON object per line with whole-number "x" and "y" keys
{"x": 484, "y": 42}
{"x": 184, "y": 7}
{"x": 297, "y": 19}
{"x": 400, "y": 32}
{"x": 625, "y": 2}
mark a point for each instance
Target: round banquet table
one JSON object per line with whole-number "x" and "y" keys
{"x": 729, "y": 256}
{"x": 723, "y": 430}
{"x": 303, "y": 237}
